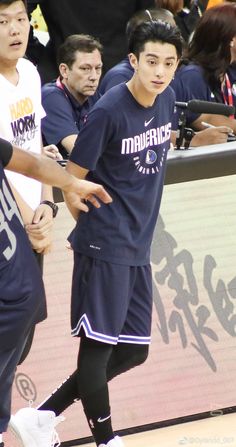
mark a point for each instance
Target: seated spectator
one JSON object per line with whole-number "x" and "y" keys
{"x": 123, "y": 72}
{"x": 68, "y": 99}
{"x": 210, "y": 66}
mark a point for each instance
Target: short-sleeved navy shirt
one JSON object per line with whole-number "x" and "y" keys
{"x": 124, "y": 146}
{"x": 64, "y": 114}
{"x": 22, "y": 297}
{"x": 121, "y": 72}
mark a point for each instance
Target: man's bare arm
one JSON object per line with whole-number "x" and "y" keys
{"x": 69, "y": 142}
{"x": 80, "y": 173}
{"x": 48, "y": 171}
{"x": 214, "y": 120}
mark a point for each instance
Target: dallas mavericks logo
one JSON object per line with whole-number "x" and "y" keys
{"x": 151, "y": 157}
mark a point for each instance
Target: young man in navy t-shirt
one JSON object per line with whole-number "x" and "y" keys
{"x": 123, "y": 146}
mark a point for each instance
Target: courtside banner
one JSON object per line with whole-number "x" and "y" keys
{"x": 192, "y": 364}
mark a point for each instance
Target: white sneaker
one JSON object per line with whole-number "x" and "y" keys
{"x": 35, "y": 428}
{"x": 116, "y": 442}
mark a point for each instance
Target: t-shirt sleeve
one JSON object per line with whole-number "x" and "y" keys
{"x": 6, "y": 151}
{"x": 59, "y": 121}
{"x": 93, "y": 139}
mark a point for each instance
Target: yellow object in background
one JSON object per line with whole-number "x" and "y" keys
{"x": 37, "y": 20}
{"x": 213, "y": 3}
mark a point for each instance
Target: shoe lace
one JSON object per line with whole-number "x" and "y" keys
{"x": 55, "y": 441}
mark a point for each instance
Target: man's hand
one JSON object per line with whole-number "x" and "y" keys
{"x": 83, "y": 189}
{"x": 40, "y": 230}
{"x": 69, "y": 180}
{"x": 52, "y": 151}
{"x": 212, "y": 135}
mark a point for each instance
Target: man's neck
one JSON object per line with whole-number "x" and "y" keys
{"x": 79, "y": 98}
{"x": 9, "y": 71}
{"x": 144, "y": 98}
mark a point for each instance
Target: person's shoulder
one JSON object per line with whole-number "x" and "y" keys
{"x": 120, "y": 68}
{"x": 121, "y": 72}
{"x": 51, "y": 87}
{"x": 190, "y": 69}
{"x": 53, "y": 92}
{"x": 188, "y": 75}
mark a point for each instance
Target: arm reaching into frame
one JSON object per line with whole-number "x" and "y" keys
{"x": 48, "y": 171}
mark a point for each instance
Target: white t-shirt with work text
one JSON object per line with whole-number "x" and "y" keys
{"x": 21, "y": 113}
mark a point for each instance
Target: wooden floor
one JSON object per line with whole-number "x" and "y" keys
{"x": 218, "y": 431}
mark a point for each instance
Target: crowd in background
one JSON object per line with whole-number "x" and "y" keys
{"x": 204, "y": 73}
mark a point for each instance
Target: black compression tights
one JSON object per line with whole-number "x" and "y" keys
{"x": 98, "y": 363}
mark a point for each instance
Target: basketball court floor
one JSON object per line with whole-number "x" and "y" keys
{"x": 217, "y": 431}
{"x": 211, "y": 432}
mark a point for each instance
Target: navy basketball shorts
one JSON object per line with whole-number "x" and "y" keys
{"x": 111, "y": 303}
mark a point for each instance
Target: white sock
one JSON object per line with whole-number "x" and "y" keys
{"x": 1, "y": 440}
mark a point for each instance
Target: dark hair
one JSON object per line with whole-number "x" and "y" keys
{"x": 77, "y": 42}
{"x": 210, "y": 44}
{"x": 9, "y": 2}
{"x": 147, "y": 15}
{"x": 154, "y": 31}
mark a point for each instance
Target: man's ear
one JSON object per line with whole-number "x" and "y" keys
{"x": 133, "y": 61}
{"x": 63, "y": 68}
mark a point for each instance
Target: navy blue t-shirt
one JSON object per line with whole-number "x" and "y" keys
{"x": 124, "y": 146}
{"x": 65, "y": 115}
{"x": 22, "y": 296}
